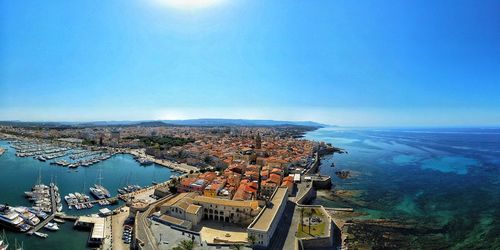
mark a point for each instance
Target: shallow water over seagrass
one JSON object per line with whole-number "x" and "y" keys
{"x": 445, "y": 179}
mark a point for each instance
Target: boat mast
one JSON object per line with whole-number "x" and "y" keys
{"x": 84, "y": 180}
{"x": 3, "y": 237}
{"x": 39, "y": 180}
{"x": 100, "y": 177}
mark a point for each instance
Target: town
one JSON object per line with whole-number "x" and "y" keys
{"x": 234, "y": 186}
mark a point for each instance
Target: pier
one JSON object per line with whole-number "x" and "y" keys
{"x": 53, "y": 212}
{"x": 42, "y": 224}
{"x": 110, "y": 200}
{"x": 66, "y": 217}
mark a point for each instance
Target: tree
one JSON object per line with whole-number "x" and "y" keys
{"x": 172, "y": 189}
{"x": 252, "y": 239}
{"x": 302, "y": 217}
{"x": 236, "y": 246}
{"x": 309, "y": 214}
{"x": 185, "y": 245}
{"x": 173, "y": 181}
{"x": 172, "y": 186}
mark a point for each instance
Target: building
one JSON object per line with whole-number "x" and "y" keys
{"x": 214, "y": 188}
{"x": 182, "y": 207}
{"x": 193, "y": 208}
{"x": 97, "y": 226}
{"x": 115, "y": 135}
{"x": 239, "y": 212}
{"x": 192, "y": 185}
{"x": 161, "y": 192}
{"x": 264, "y": 225}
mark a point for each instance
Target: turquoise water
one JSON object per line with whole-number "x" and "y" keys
{"x": 19, "y": 175}
{"x": 447, "y": 180}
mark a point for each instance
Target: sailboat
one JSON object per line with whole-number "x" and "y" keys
{"x": 3, "y": 241}
{"x": 98, "y": 190}
{"x": 128, "y": 188}
{"x": 18, "y": 246}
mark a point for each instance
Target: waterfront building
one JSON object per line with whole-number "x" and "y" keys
{"x": 264, "y": 225}
{"x": 97, "y": 226}
{"x": 162, "y": 192}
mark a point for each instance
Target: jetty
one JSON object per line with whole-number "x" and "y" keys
{"x": 64, "y": 216}
{"x": 107, "y": 201}
{"x": 53, "y": 212}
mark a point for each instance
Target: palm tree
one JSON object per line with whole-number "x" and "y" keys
{"x": 309, "y": 214}
{"x": 302, "y": 217}
{"x": 185, "y": 245}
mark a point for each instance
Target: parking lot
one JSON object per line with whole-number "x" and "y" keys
{"x": 169, "y": 238}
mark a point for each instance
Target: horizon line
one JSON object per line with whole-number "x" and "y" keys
{"x": 488, "y": 126}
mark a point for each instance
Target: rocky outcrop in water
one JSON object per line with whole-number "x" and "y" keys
{"x": 390, "y": 234}
{"x": 344, "y": 174}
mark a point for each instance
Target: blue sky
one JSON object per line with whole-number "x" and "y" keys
{"x": 362, "y": 63}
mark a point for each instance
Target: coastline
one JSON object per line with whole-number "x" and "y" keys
{"x": 185, "y": 168}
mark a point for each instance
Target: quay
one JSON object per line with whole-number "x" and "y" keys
{"x": 111, "y": 200}
{"x": 128, "y": 196}
{"x": 166, "y": 163}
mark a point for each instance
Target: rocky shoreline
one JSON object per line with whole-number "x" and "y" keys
{"x": 361, "y": 232}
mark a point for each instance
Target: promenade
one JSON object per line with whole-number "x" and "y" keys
{"x": 172, "y": 165}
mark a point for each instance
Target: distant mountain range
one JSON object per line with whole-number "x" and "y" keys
{"x": 241, "y": 122}
{"x": 152, "y": 123}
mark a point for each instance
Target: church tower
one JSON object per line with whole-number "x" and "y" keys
{"x": 258, "y": 141}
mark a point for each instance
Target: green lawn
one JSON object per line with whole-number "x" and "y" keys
{"x": 314, "y": 230}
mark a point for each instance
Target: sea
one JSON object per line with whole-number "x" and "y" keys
{"x": 20, "y": 174}
{"x": 445, "y": 181}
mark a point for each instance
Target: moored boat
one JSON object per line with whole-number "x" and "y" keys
{"x": 59, "y": 220}
{"x": 41, "y": 235}
{"x": 52, "y": 226}
{"x": 10, "y": 219}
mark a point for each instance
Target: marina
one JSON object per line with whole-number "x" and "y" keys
{"x": 60, "y": 154}
{"x": 40, "y": 199}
